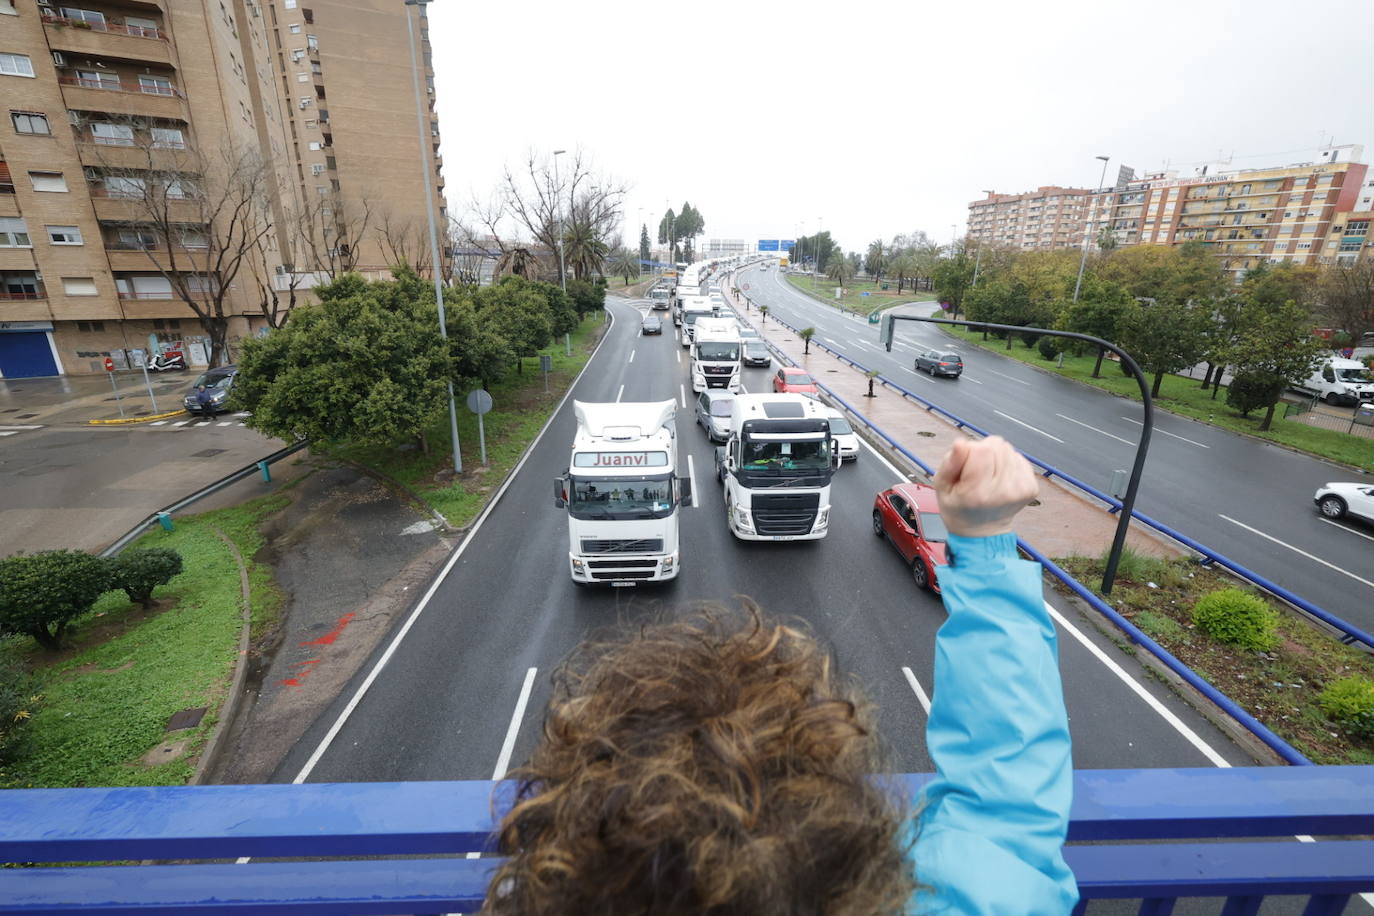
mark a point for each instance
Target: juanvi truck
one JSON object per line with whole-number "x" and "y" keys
{"x": 622, "y": 494}
{"x": 776, "y": 468}
{"x": 715, "y": 354}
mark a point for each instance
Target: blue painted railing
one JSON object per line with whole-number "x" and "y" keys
{"x": 1351, "y": 633}
{"x": 1135, "y": 819}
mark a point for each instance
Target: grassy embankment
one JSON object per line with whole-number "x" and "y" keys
{"x": 1182, "y": 395}
{"x": 1279, "y": 687}
{"x": 853, "y": 299}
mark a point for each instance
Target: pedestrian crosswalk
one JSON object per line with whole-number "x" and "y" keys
{"x": 15, "y": 430}
{"x": 234, "y": 420}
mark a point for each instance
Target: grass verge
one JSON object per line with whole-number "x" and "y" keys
{"x": 107, "y": 699}
{"x": 520, "y": 408}
{"x": 1278, "y": 687}
{"x": 1183, "y": 395}
{"x": 853, "y": 298}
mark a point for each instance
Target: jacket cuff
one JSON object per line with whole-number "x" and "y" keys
{"x": 965, "y": 551}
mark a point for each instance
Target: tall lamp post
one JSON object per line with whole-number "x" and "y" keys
{"x": 558, "y": 219}
{"x": 433, "y": 229}
{"x": 1083, "y": 261}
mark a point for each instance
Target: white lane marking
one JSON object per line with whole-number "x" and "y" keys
{"x": 632, "y": 357}
{"x": 1013, "y": 378}
{"x": 18, "y": 428}
{"x": 1150, "y": 699}
{"x": 1094, "y": 429}
{"x": 226, "y": 423}
{"x": 916, "y": 687}
{"x": 828, "y": 340}
{"x": 181, "y": 423}
{"x": 1028, "y": 426}
{"x": 158, "y": 423}
{"x": 508, "y": 746}
{"x": 1358, "y": 534}
{"x": 453, "y": 559}
{"x": 1296, "y": 550}
{"x": 9, "y": 432}
{"x": 679, "y": 356}
{"x": 917, "y": 372}
{"x": 682, "y": 391}
{"x": 692, "y": 479}
{"x": 619, "y": 393}
{"x": 1167, "y": 433}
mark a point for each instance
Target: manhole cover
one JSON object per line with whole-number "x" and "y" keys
{"x": 207, "y": 453}
{"x": 187, "y": 718}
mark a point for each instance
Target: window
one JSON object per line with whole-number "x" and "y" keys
{"x": 140, "y": 27}
{"x": 194, "y": 238}
{"x": 294, "y": 28}
{"x": 96, "y": 20}
{"x": 302, "y": 77}
{"x": 179, "y": 189}
{"x": 322, "y": 190}
{"x": 90, "y": 326}
{"x": 289, "y": 4}
{"x": 97, "y": 79}
{"x": 297, "y": 55}
{"x": 155, "y": 85}
{"x": 7, "y": 8}
{"x": 14, "y": 233}
{"x": 107, "y": 134}
{"x": 79, "y": 286}
{"x": 316, "y": 169}
{"x": 311, "y": 123}
{"x": 64, "y": 235}
{"x": 167, "y": 138}
{"x": 136, "y": 239}
{"x": 306, "y": 101}
{"x": 48, "y": 181}
{"x": 121, "y": 186}
{"x": 30, "y": 122}
{"x": 16, "y": 65}
{"x": 315, "y": 145}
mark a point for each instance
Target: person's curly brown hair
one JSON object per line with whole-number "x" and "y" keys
{"x": 711, "y": 765}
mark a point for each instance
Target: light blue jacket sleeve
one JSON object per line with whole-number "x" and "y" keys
{"x": 992, "y": 823}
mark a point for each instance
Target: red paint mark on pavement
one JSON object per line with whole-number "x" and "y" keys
{"x": 291, "y": 682}
{"x": 328, "y": 638}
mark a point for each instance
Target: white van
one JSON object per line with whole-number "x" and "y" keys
{"x": 1340, "y": 381}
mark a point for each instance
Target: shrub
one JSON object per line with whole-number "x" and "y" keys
{"x": 1350, "y": 703}
{"x": 1159, "y": 626}
{"x": 1252, "y": 391}
{"x": 1049, "y": 347}
{"x": 42, "y": 593}
{"x": 18, "y": 702}
{"x": 1235, "y": 617}
{"x": 138, "y": 572}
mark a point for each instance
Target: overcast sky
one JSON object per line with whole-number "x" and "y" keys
{"x": 871, "y": 119}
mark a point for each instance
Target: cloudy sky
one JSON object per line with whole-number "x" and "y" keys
{"x": 870, "y": 119}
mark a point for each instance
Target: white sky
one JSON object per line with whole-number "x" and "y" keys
{"x": 876, "y": 118}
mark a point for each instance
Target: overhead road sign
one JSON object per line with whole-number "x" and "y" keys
{"x": 768, "y": 244}
{"x": 787, "y": 244}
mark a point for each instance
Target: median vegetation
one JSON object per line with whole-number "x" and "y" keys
{"x": 1312, "y": 691}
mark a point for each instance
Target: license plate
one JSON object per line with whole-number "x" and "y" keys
{"x": 622, "y": 585}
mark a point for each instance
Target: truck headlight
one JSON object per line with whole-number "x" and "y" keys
{"x": 577, "y": 564}
{"x": 742, "y": 519}
{"x": 667, "y": 564}
{"x": 823, "y": 518}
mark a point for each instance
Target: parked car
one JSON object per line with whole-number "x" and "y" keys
{"x": 1337, "y": 500}
{"x": 713, "y": 413}
{"x": 651, "y": 324}
{"x": 843, "y": 433}
{"x": 791, "y": 380}
{"x": 940, "y": 362}
{"x": 210, "y": 391}
{"x": 908, "y": 515}
{"x": 756, "y": 353}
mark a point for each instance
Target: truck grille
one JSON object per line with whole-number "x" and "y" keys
{"x": 716, "y": 370}
{"x": 640, "y": 545}
{"x": 623, "y": 575}
{"x": 621, "y": 564}
{"x": 778, "y": 514}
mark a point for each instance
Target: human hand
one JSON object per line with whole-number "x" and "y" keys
{"x": 982, "y": 485}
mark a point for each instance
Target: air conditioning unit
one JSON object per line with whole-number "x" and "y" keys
{"x": 58, "y": 60}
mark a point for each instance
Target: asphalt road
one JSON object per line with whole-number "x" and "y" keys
{"x": 448, "y": 700}
{"x": 1244, "y": 498}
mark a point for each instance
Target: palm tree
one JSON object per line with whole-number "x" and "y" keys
{"x": 904, "y": 267}
{"x": 806, "y": 334}
{"x": 518, "y": 261}
{"x": 584, "y": 252}
{"x": 839, "y": 269}
{"x": 624, "y": 263}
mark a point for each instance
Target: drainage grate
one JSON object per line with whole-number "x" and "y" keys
{"x": 187, "y": 718}
{"x": 207, "y": 453}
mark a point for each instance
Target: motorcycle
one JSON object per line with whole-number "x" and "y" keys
{"x": 164, "y": 362}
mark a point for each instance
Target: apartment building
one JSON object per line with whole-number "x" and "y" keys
{"x": 158, "y": 151}
{"x": 1048, "y": 217}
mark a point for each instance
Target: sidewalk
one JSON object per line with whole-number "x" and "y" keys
{"x": 1063, "y": 522}
{"x": 77, "y": 399}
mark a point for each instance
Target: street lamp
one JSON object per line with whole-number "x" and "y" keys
{"x": 558, "y": 218}
{"x": 433, "y": 230}
{"x": 1083, "y": 261}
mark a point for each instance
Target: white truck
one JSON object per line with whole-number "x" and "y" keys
{"x": 716, "y": 351}
{"x": 1340, "y": 381}
{"x": 693, "y": 308}
{"x": 622, "y": 494}
{"x": 681, "y": 293}
{"x": 776, "y": 468}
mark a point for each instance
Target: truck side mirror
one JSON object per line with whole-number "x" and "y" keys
{"x": 835, "y": 457}
{"x": 560, "y": 492}
{"x": 684, "y": 491}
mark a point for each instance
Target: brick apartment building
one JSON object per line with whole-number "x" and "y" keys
{"x": 1048, "y": 217}
{"x": 148, "y": 144}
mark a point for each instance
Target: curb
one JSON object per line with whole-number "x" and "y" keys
{"x": 126, "y": 420}
{"x": 229, "y": 708}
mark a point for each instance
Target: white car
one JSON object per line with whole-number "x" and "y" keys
{"x": 1336, "y": 500}
{"x": 841, "y": 431}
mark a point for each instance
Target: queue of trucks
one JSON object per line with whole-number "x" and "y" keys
{"x": 622, "y": 490}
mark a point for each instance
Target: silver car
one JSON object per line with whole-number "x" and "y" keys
{"x": 713, "y": 413}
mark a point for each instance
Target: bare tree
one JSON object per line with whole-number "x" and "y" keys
{"x": 1347, "y": 298}
{"x": 404, "y": 240}
{"x": 333, "y": 228}
{"x": 548, "y": 202}
{"x": 468, "y": 253}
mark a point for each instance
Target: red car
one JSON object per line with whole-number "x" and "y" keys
{"x": 908, "y": 515}
{"x": 790, "y": 380}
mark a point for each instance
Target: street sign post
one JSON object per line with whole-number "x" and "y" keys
{"x": 119, "y": 402}
{"x": 479, "y": 402}
{"x": 546, "y": 366}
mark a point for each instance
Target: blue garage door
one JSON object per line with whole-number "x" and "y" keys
{"x": 26, "y": 354}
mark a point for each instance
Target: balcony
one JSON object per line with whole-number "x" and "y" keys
{"x": 116, "y": 207}
{"x": 131, "y": 257}
{"x": 94, "y": 39}
{"x": 101, "y": 153}
{"x": 20, "y": 259}
{"x": 1157, "y": 836}
{"x": 121, "y": 98}
{"x": 35, "y": 292}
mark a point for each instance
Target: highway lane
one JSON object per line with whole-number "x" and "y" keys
{"x": 1247, "y": 499}
{"x": 443, "y": 706}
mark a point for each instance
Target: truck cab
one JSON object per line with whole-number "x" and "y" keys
{"x": 693, "y": 308}
{"x": 622, "y": 494}
{"x": 776, "y": 468}
{"x": 716, "y": 353}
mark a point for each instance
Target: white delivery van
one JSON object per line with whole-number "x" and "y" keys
{"x": 1340, "y": 381}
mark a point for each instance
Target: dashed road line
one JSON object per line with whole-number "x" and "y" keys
{"x": 1094, "y": 429}
{"x": 1012, "y": 377}
{"x": 1167, "y": 433}
{"x": 1028, "y": 426}
{"x": 1358, "y": 534}
{"x": 1297, "y": 550}
{"x": 916, "y": 688}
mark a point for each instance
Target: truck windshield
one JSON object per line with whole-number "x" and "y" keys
{"x": 785, "y": 458}
{"x": 691, "y": 317}
{"x": 621, "y": 497}
{"x": 717, "y": 351}
{"x": 1354, "y": 375}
